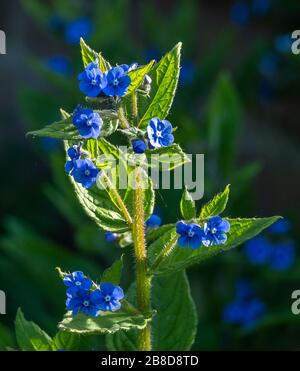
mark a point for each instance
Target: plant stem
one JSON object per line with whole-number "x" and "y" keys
{"x": 122, "y": 117}
{"x": 143, "y": 280}
{"x": 135, "y": 112}
{"x": 118, "y": 199}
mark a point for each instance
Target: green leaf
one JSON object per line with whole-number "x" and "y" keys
{"x": 216, "y": 206}
{"x": 167, "y": 158}
{"x": 178, "y": 258}
{"x": 89, "y": 56}
{"x": 66, "y": 341}
{"x": 66, "y": 130}
{"x": 137, "y": 77}
{"x": 29, "y": 335}
{"x": 113, "y": 273}
{"x": 105, "y": 323}
{"x": 187, "y": 206}
{"x": 173, "y": 326}
{"x": 100, "y": 204}
{"x": 63, "y": 129}
{"x": 164, "y": 83}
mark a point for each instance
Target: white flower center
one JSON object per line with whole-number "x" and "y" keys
{"x": 116, "y": 82}
{"x": 87, "y": 172}
{"x": 94, "y": 82}
{"x": 107, "y": 298}
{"x": 214, "y": 230}
{"x": 86, "y": 303}
{"x": 89, "y": 122}
{"x": 191, "y": 233}
{"x": 77, "y": 283}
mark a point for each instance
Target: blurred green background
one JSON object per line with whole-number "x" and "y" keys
{"x": 237, "y": 103}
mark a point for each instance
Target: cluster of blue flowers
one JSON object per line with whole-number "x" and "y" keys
{"x": 82, "y": 298}
{"x": 246, "y": 309}
{"x": 279, "y": 255}
{"x": 113, "y": 83}
{"x": 193, "y": 236}
{"x": 82, "y": 170}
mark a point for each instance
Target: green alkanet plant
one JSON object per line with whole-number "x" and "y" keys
{"x": 157, "y": 312}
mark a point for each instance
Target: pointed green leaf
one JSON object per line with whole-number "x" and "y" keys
{"x": 29, "y": 335}
{"x": 178, "y": 258}
{"x": 216, "y": 206}
{"x": 106, "y": 322}
{"x": 164, "y": 83}
{"x": 113, "y": 273}
{"x": 89, "y": 56}
{"x": 63, "y": 129}
{"x": 187, "y": 206}
{"x": 175, "y": 323}
{"x": 137, "y": 77}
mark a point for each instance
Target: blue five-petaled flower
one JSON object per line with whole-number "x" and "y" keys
{"x": 85, "y": 172}
{"x": 110, "y": 296}
{"x": 191, "y": 235}
{"x": 215, "y": 230}
{"x": 77, "y": 281}
{"x": 159, "y": 133}
{"x": 117, "y": 82}
{"x": 92, "y": 81}
{"x": 88, "y": 122}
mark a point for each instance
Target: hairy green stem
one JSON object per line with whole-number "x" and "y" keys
{"x": 135, "y": 111}
{"x": 118, "y": 199}
{"x": 143, "y": 280}
{"x": 122, "y": 117}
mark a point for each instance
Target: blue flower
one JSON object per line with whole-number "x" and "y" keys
{"x": 74, "y": 154}
{"x": 258, "y": 250}
{"x": 153, "y": 221}
{"x": 110, "y": 236}
{"x": 77, "y": 281}
{"x": 92, "y": 80}
{"x": 87, "y": 302}
{"x": 215, "y": 230}
{"x": 85, "y": 172}
{"x": 244, "y": 313}
{"x": 117, "y": 82}
{"x": 239, "y": 13}
{"x": 80, "y": 27}
{"x": 159, "y": 133}
{"x": 246, "y": 309}
{"x": 283, "y": 256}
{"x": 60, "y": 64}
{"x": 88, "y": 122}
{"x": 282, "y": 226}
{"x": 190, "y": 235}
{"x": 138, "y": 146}
{"x": 283, "y": 43}
{"x": 110, "y": 296}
